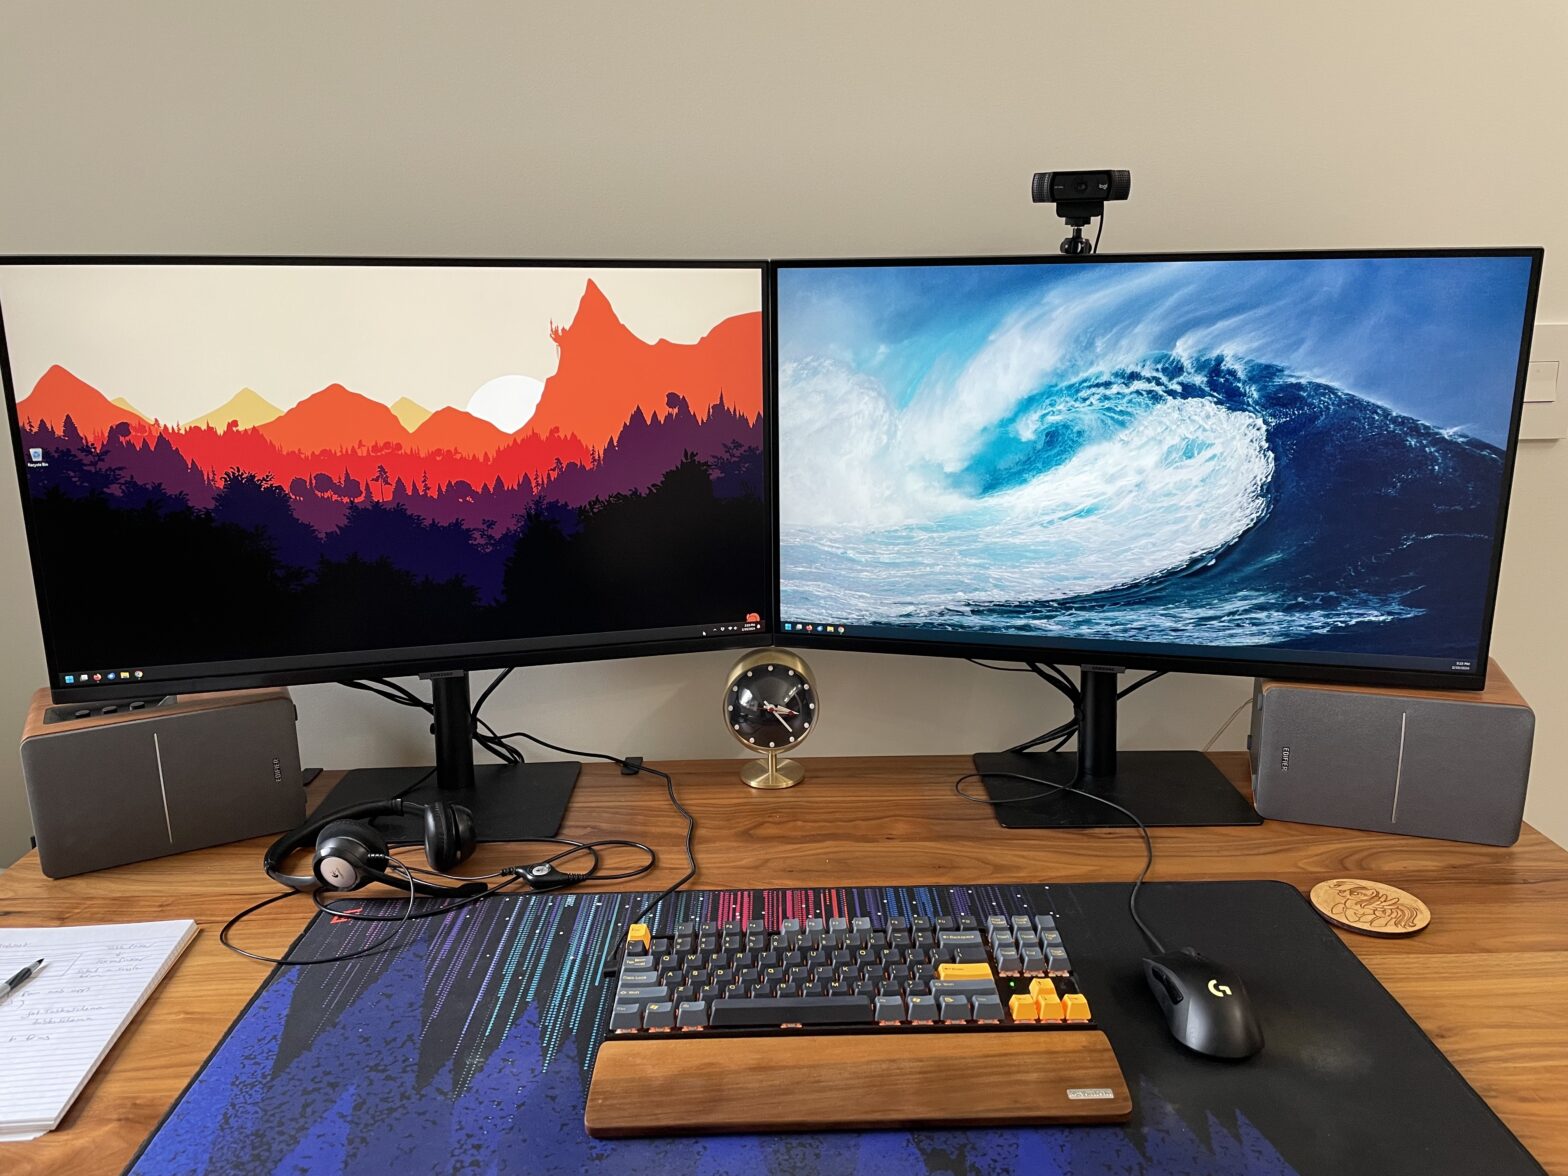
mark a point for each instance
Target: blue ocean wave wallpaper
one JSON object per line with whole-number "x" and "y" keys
{"x": 1252, "y": 453}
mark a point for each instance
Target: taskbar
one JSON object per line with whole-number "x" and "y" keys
{"x": 909, "y": 638}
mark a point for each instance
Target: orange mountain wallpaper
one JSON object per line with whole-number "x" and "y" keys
{"x": 630, "y": 499}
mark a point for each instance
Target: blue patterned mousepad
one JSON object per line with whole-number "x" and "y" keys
{"x": 467, "y": 1046}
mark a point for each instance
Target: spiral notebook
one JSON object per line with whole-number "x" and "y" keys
{"x": 57, "y": 1027}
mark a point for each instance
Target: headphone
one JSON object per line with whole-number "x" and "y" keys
{"x": 350, "y": 853}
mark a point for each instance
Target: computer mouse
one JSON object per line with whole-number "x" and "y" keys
{"x": 1205, "y": 1004}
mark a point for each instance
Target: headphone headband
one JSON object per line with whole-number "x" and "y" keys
{"x": 279, "y": 850}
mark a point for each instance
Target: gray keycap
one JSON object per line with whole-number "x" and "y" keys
{"x": 988, "y": 1008}
{"x": 1034, "y": 959}
{"x": 790, "y": 925}
{"x": 838, "y": 924}
{"x": 1008, "y": 960}
{"x": 1020, "y": 920}
{"x": 1044, "y": 923}
{"x": 922, "y": 1008}
{"x": 641, "y": 995}
{"x": 692, "y": 1012}
{"x": 625, "y": 1016}
{"x": 639, "y": 979}
{"x": 940, "y": 988}
{"x": 659, "y": 1015}
{"x": 890, "y": 1008}
{"x": 816, "y": 925}
{"x": 960, "y": 939}
{"x": 1052, "y": 939}
{"x": 954, "y": 1007}
{"x": 998, "y": 922}
{"x": 860, "y": 924}
{"x": 1056, "y": 960}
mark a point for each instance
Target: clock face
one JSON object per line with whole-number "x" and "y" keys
{"x": 771, "y": 706}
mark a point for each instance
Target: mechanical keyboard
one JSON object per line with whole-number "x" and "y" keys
{"x": 918, "y": 1006}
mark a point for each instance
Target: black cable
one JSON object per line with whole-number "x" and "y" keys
{"x": 1141, "y": 683}
{"x": 1100, "y": 228}
{"x": 408, "y": 913}
{"x": 1003, "y": 669}
{"x": 1056, "y": 790}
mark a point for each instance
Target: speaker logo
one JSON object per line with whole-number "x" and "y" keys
{"x": 1284, "y": 759}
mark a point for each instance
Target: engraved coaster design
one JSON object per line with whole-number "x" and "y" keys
{"x": 1372, "y": 908}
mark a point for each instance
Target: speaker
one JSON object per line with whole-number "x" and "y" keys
{"x": 1429, "y": 763}
{"x": 125, "y": 781}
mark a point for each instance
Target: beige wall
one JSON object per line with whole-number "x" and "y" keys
{"x": 791, "y": 129}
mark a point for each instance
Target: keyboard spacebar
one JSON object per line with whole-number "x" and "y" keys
{"x": 790, "y": 1010}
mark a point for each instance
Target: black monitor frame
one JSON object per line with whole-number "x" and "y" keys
{"x": 1094, "y": 787}
{"x": 1131, "y": 659}
{"x": 510, "y": 801}
{"x": 237, "y": 674}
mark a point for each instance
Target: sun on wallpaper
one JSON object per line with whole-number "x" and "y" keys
{"x": 339, "y": 500}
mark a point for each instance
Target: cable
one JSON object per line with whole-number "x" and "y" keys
{"x": 1100, "y": 228}
{"x": 1216, "y": 737}
{"x": 284, "y": 961}
{"x": 1057, "y": 789}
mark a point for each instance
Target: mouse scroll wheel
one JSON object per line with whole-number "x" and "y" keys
{"x": 1169, "y": 985}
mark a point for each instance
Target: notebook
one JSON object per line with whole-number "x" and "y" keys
{"x": 57, "y": 1027}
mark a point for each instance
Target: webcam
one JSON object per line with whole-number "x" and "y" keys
{"x": 1080, "y": 196}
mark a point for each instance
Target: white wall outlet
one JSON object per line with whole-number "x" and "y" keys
{"x": 1546, "y": 385}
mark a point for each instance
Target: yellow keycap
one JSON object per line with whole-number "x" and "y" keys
{"x": 1024, "y": 1008}
{"x": 1045, "y": 998}
{"x": 963, "y": 971}
{"x": 1042, "y": 989}
{"x": 639, "y": 933}
{"x": 1075, "y": 1006}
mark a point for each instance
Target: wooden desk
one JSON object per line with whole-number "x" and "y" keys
{"x": 1500, "y": 917}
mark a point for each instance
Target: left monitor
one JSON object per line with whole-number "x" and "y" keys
{"x": 253, "y": 471}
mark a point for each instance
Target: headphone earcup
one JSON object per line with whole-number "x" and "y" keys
{"x": 449, "y": 835}
{"x": 344, "y": 850}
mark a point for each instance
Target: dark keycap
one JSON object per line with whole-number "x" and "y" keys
{"x": 920, "y": 923}
{"x": 968, "y": 923}
{"x": 969, "y": 954}
{"x": 947, "y": 923}
{"x": 789, "y": 1010}
{"x": 708, "y": 942}
{"x": 898, "y": 923}
{"x": 660, "y": 946}
{"x": 841, "y": 988}
{"x": 685, "y": 928}
{"x": 790, "y": 989}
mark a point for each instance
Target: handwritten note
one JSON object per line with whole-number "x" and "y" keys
{"x": 56, "y": 1028}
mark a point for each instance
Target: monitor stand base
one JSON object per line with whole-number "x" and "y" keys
{"x": 1164, "y": 788}
{"x": 510, "y": 802}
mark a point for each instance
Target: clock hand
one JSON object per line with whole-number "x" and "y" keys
{"x": 774, "y": 711}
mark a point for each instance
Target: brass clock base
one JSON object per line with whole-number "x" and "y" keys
{"x": 772, "y": 772}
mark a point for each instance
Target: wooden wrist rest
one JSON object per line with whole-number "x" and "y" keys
{"x": 698, "y": 1085}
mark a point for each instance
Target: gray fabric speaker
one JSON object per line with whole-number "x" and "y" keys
{"x": 114, "y": 785}
{"x": 1449, "y": 764}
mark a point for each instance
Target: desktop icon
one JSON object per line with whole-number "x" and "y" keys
{"x": 97, "y": 677}
{"x": 754, "y": 618}
{"x": 69, "y": 678}
{"x": 35, "y": 455}
{"x": 138, "y": 674}
{"x": 788, "y": 627}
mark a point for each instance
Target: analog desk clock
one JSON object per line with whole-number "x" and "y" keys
{"x": 770, "y": 705}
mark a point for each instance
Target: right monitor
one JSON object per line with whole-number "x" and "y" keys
{"x": 1292, "y": 463}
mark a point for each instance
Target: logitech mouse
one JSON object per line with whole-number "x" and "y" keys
{"x": 1205, "y": 1004}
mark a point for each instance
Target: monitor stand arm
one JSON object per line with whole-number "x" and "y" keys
{"x": 510, "y": 802}
{"x": 1164, "y": 788}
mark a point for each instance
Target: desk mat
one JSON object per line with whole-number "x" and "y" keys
{"x": 467, "y": 1046}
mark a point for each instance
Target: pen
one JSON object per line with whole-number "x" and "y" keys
{"x": 20, "y": 979}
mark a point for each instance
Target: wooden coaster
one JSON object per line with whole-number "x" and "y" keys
{"x": 1372, "y": 908}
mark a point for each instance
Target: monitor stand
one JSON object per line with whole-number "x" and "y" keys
{"x": 1164, "y": 788}
{"x": 510, "y": 802}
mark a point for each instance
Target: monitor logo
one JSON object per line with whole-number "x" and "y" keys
{"x": 1219, "y": 989}
{"x": 277, "y": 770}
{"x": 1284, "y": 759}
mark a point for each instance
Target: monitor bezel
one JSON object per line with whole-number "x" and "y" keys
{"x": 247, "y": 673}
{"x": 1474, "y": 679}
